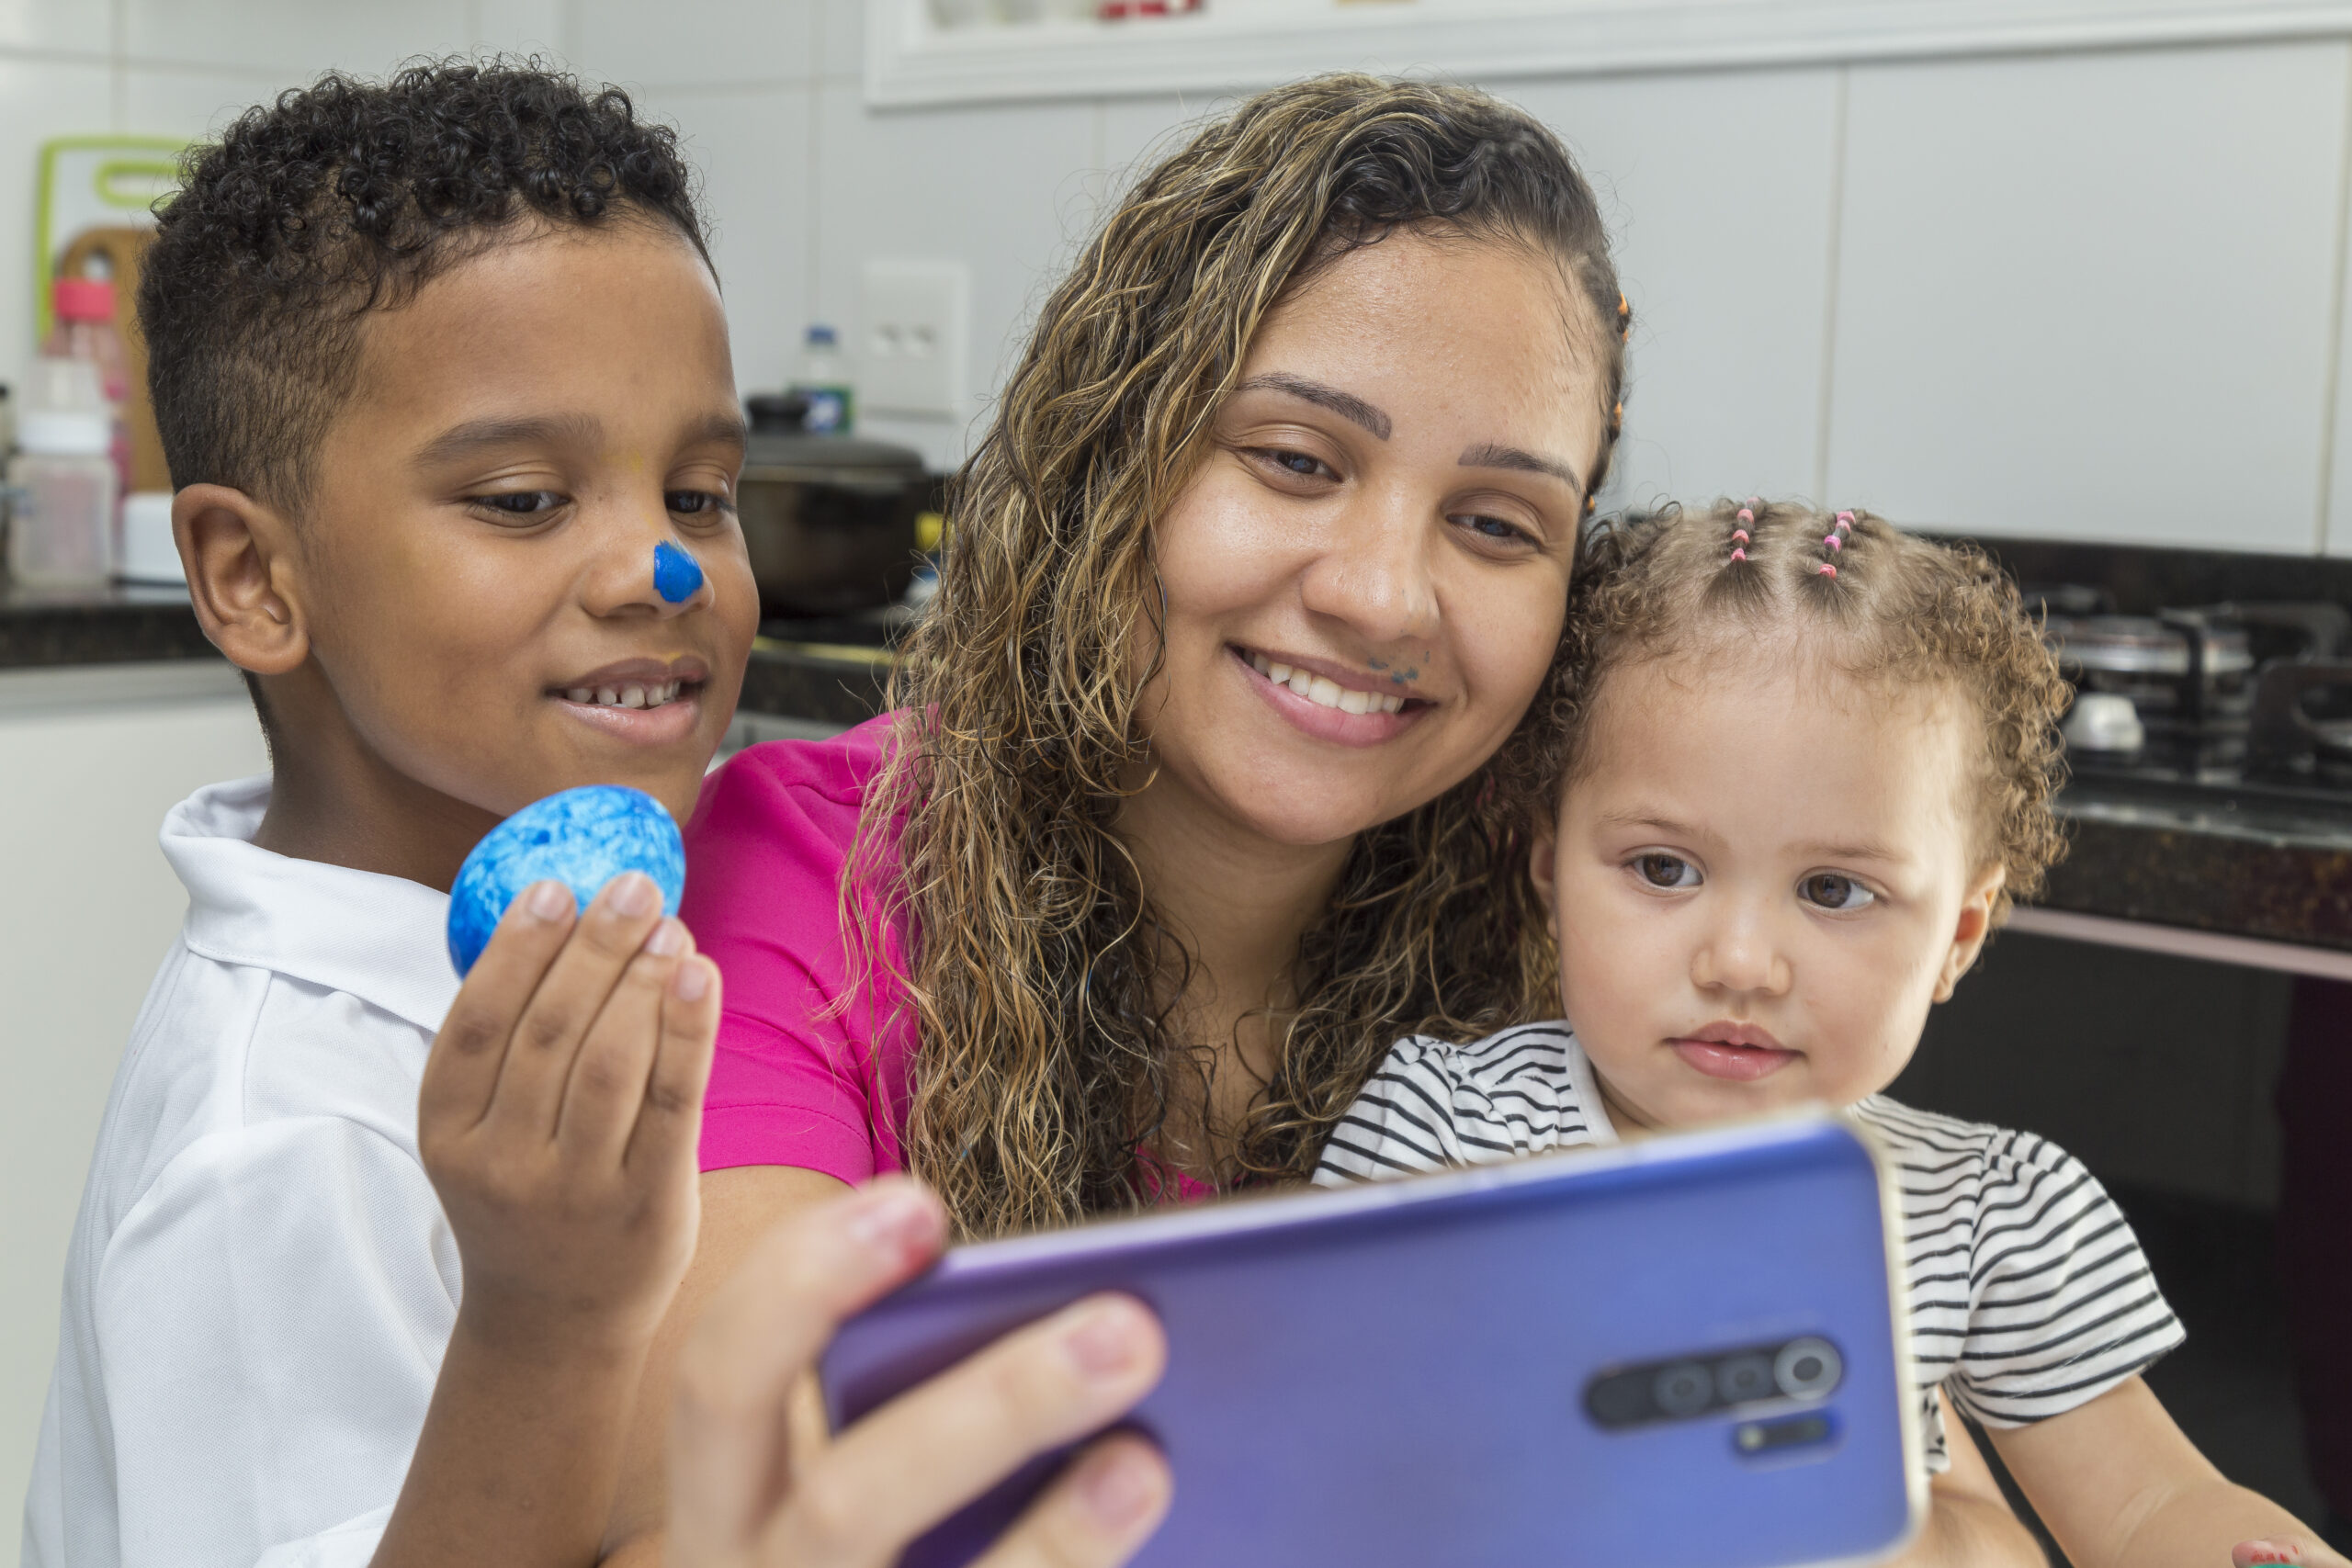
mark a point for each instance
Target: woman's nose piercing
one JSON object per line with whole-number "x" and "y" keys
{"x": 677, "y": 576}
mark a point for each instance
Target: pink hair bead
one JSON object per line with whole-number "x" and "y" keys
{"x": 1829, "y": 571}
{"x": 1833, "y": 541}
{"x": 1740, "y": 534}
{"x": 1740, "y": 555}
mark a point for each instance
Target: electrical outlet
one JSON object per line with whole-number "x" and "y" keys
{"x": 917, "y": 326}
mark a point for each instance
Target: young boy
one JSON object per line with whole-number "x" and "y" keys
{"x": 438, "y": 363}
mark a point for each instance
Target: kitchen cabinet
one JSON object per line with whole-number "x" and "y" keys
{"x": 91, "y": 757}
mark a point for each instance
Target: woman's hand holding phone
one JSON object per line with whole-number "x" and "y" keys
{"x": 754, "y": 1483}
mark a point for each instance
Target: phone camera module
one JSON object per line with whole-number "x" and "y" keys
{"x": 1743, "y": 1379}
{"x": 1807, "y": 1369}
{"x": 1684, "y": 1389}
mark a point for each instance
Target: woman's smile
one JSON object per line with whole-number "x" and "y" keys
{"x": 1328, "y": 702}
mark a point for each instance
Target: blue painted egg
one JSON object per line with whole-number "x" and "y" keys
{"x": 582, "y": 838}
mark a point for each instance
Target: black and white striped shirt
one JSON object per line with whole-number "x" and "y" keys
{"x": 2029, "y": 1293}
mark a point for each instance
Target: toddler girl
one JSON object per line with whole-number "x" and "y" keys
{"x": 1793, "y": 769}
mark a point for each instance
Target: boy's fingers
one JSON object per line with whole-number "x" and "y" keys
{"x": 607, "y": 1087}
{"x": 572, "y": 993}
{"x": 466, "y": 1056}
{"x": 921, "y": 1457}
{"x": 1104, "y": 1508}
{"x": 669, "y": 1122}
{"x": 761, "y": 1330}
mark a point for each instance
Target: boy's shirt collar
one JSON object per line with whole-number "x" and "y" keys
{"x": 378, "y": 938}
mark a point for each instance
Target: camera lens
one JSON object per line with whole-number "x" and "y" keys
{"x": 1684, "y": 1389}
{"x": 1743, "y": 1379}
{"x": 1807, "y": 1369}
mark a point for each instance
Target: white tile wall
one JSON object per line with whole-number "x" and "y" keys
{"x": 39, "y": 99}
{"x": 2092, "y": 296}
{"x": 1719, "y": 192}
{"x": 1928, "y": 287}
{"x": 754, "y": 151}
{"x": 1005, "y": 190}
{"x": 696, "y": 44}
{"x": 74, "y": 27}
{"x": 299, "y": 38}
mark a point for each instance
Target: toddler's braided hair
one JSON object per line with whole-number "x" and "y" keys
{"x": 1885, "y": 608}
{"x": 345, "y": 196}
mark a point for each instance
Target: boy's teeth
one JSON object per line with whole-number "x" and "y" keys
{"x": 581, "y": 695}
{"x": 1323, "y": 691}
{"x": 633, "y": 697}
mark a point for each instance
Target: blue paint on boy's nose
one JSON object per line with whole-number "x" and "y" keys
{"x": 677, "y": 576}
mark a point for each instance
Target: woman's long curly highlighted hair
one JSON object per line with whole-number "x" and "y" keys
{"x": 1041, "y": 980}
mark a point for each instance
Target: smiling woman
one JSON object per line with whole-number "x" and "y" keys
{"x": 1186, "y": 810}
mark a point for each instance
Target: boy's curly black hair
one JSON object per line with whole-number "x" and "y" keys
{"x": 346, "y": 196}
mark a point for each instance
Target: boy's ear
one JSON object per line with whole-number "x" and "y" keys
{"x": 239, "y": 554}
{"x": 1975, "y": 924}
{"x": 1542, "y": 869}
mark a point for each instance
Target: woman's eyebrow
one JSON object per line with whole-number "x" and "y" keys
{"x": 1347, "y": 405}
{"x": 1490, "y": 455}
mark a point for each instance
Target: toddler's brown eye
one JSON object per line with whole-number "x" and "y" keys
{"x": 1667, "y": 871}
{"x": 1829, "y": 890}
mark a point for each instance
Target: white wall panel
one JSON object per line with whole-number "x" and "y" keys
{"x": 1718, "y": 191}
{"x": 841, "y": 26}
{"x": 191, "y": 103}
{"x": 74, "y": 26}
{"x": 1003, "y": 189}
{"x": 691, "y": 44}
{"x": 519, "y": 27}
{"x": 39, "y": 99}
{"x": 755, "y": 149}
{"x": 2091, "y": 296}
{"x": 298, "y": 38}
{"x": 1137, "y": 131}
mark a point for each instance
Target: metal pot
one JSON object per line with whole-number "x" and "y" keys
{"x": 829, "y": 520}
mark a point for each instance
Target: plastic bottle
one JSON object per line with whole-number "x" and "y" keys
{"x": 824, "y": 380}
{"x": 85, "y": 329}
{"x": 62, "y": 482}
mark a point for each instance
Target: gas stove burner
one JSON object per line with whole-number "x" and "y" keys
{"x": 2302, "y": 722}
{"x": 2186, "y": 672}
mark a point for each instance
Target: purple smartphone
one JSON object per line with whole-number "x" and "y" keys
{"x": 1681, "y": 1353}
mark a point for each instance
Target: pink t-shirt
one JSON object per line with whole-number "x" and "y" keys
{"x": 797, "y": 1080}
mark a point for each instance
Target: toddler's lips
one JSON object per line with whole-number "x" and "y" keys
{"x": 1739, "y": 1064}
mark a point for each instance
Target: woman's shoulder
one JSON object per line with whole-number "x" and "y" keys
{"x": 798, "y": 795}
{"x": 833, "y": 768}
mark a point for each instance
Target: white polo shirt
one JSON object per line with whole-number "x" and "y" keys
{"x": 260, "y": 1282}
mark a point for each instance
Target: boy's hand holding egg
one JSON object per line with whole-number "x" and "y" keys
{"x": 563, "y": 1101}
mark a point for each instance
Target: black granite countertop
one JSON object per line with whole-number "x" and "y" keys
{"x": 834, "y": 683}
{"x": 2279, "y": 872}
{"x": 44, "y": 628}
